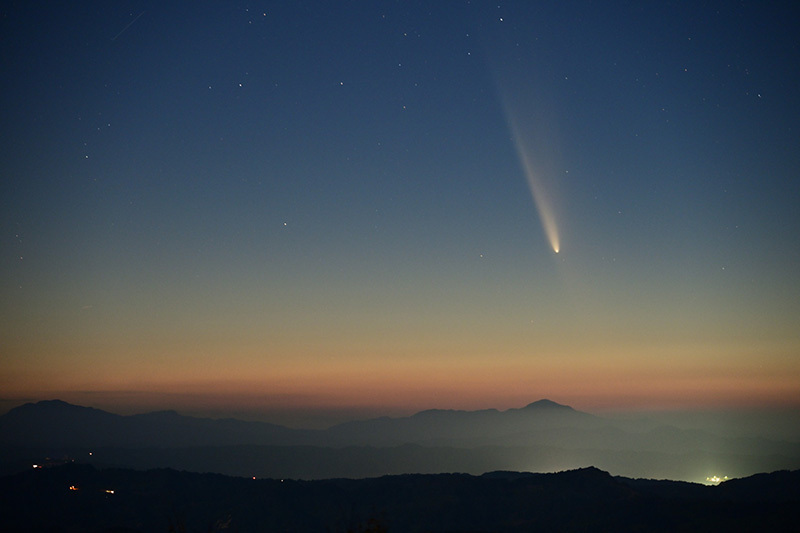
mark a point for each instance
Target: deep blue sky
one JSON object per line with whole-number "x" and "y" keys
{"x": 317, "y": 204}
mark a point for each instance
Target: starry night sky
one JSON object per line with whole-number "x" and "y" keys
{"x": 295, "y": 206}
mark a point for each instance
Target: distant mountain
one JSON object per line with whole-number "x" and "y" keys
{"x": 83, "y": 498}
{"x": 461, "y": 428}
{"x": 59, "y": 424}
{"x": 542, "y": 436}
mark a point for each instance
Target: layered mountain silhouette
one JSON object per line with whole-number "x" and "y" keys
{"x": 543, "y": 436}
{"x": 58, "y": 423}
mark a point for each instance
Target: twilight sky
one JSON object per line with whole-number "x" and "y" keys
{"x": 293, "y": 207}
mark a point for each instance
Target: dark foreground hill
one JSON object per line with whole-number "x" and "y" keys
{"x": 74, "y": 498}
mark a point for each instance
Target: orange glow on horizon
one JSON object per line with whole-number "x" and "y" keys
{"x": 409, "y": 366}
{"x": 410, "y": 387}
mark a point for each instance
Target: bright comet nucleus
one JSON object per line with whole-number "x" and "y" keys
{"x": 538, "y": 191}
{"x": 536, "y": 172}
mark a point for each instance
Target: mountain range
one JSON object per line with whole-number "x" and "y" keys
{"x": 543, "y": 436}
{"x": 58, "y": 423}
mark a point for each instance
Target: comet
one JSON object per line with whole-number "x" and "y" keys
{"x": 539, "y": 192}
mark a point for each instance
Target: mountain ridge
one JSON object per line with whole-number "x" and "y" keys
{"x": 542, "y": 436}
{"x": 585, "y": 499}
{"x": 54, "y": 422}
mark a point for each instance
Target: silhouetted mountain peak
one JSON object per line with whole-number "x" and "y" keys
{"x": 52, "y": 403}
{"x": 589, "y": 472}
{"x": 57, "y": 408}
{"x": 49, "y": 405}
{"x": 547, "y": 404}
